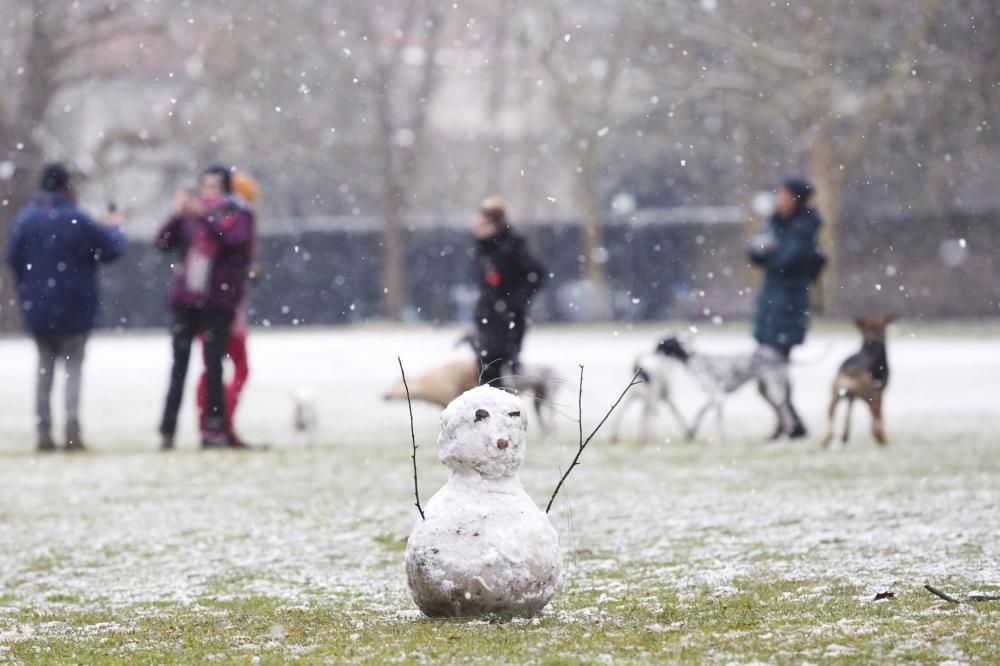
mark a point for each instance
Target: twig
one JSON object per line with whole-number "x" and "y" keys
{"x": 413, "y": 438}
{"x": 585, "y": 442}
{"x": 938, "y": 593}
{"x": 969, "y": 598}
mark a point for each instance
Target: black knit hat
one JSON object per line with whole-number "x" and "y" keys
{"x": 800, "y": 188}
{"x": 224, "y": 174}
{"x": 55, "y": 177}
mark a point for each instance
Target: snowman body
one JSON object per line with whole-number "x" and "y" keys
{"x": 484, "y": 546}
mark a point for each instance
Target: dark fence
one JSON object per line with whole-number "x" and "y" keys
{"x": 921, "y": 267}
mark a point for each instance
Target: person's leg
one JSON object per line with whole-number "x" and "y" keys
{"x": 43, "y": 391}
{"x": 515, "y": 331}
{"x": 489, "y": 345}
{"x": 200, "y": 399}
{"x": 236, "y": 350}
{"x": 798, "y": 428}
{"x": 215, "y": 325}
{"x": 73, "y": 348}
{"x": 182, "y": 333}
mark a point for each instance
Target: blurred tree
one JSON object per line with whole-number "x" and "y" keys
{"x": 48, "y": 48}
{"x": 400, "y": 73}
{"x": 827, "y": 80}
{"x": 585, "y": 49}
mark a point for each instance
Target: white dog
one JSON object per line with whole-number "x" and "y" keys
{"x": 721, "y": 375}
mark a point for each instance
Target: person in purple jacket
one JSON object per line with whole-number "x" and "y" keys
{"x": 212, "y": 235}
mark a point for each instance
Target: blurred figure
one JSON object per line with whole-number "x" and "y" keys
{"x": 213, "y": 236}
{"x": 245, "y": 191}
{"x": 54, "y": 251}
{"x": 786, "y": 251}
{"x": 508, "y": 277}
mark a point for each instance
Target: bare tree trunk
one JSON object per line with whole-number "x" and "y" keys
{"x": 21, "y": 149}
{"x": 400, "y": 169}
{"x": 393, "y": 256}
{"x": 828, "y": 182}
{"x": 392, "y": 211}
{"x": 591, "y": 236}
{"x": 498, "y": 89}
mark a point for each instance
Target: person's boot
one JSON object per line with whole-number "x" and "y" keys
{"x": 235, "y": 441}
{"x": 214, "y": 438}
{"x": 74, "y": 441}
{"x": 166, "y": 442}
{"x": 45, "y": 443}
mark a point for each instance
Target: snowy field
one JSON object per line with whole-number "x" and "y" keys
{"x": 733, "y": 551}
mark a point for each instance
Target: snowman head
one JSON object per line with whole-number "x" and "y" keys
{"x": 483, "y": 430}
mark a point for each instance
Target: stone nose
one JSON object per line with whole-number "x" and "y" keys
{"x": 503, "y": 443}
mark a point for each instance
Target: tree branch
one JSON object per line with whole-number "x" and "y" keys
{"x": 878, "y": 101}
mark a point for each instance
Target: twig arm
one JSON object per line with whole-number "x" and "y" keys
{"x": 584, "y": 442}
{"x": 413, "y": 439}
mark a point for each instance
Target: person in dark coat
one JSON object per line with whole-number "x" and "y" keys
{"x": 508, "y": 277}
{"x": 787, "y": 253}
{"x": 213, "y": 236}
{"x": 54, "y": 251}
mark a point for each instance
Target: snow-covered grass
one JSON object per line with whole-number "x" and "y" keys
{"x": 716, "y": 551}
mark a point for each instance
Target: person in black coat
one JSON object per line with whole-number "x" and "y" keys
{"x": 508, "y": 277}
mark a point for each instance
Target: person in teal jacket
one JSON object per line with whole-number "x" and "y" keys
{"x": 786, "y": 250}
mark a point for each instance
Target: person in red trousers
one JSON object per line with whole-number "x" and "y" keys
{"x": 245, "y": 189}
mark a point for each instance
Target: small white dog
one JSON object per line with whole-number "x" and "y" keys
{"x": 305, "y": 415}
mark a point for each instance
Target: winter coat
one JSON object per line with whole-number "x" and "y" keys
{"x": 54, "y": 251}
{"x": 507, "y": 275}
{"x": 215, "y": 251}
{"x": 790, "y": 260}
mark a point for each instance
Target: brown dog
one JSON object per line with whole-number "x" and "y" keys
{"x": 864, "y": 376}
{"x": 442, "y": 385}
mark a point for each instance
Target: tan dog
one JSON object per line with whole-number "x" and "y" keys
{"x": 864, "y": 376}
{"x": 442, "y": 385}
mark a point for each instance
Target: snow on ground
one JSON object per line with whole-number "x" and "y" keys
{"x": 947, "y": 381}
{"x": 128, "y": 525}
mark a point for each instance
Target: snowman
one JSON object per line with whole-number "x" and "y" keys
{"x": 484, "y": 546}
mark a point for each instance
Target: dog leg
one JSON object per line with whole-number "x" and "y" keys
{"x": 782, "y": 427}
{"x": 538, "y": 397}
{"x": 616, "y": 420}
{"x": 847, "y": 419}
{"x": 877, "y": 429}
{"x": 648, "y": 417}
{"x": 831, "y": 414}
{"x": 693, "y": 430}
{"x": 719, "y": 422}
{"x": 676, "y": 412}
{"x": 775, "y": 391}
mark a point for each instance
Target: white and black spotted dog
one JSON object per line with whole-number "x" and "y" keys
{"x": 720, "y": 375}
{"x": 654, "y": 370}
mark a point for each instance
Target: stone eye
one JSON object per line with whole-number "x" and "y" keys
{"x": 514, "y": 414}
{"x": 481, "y": 414}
